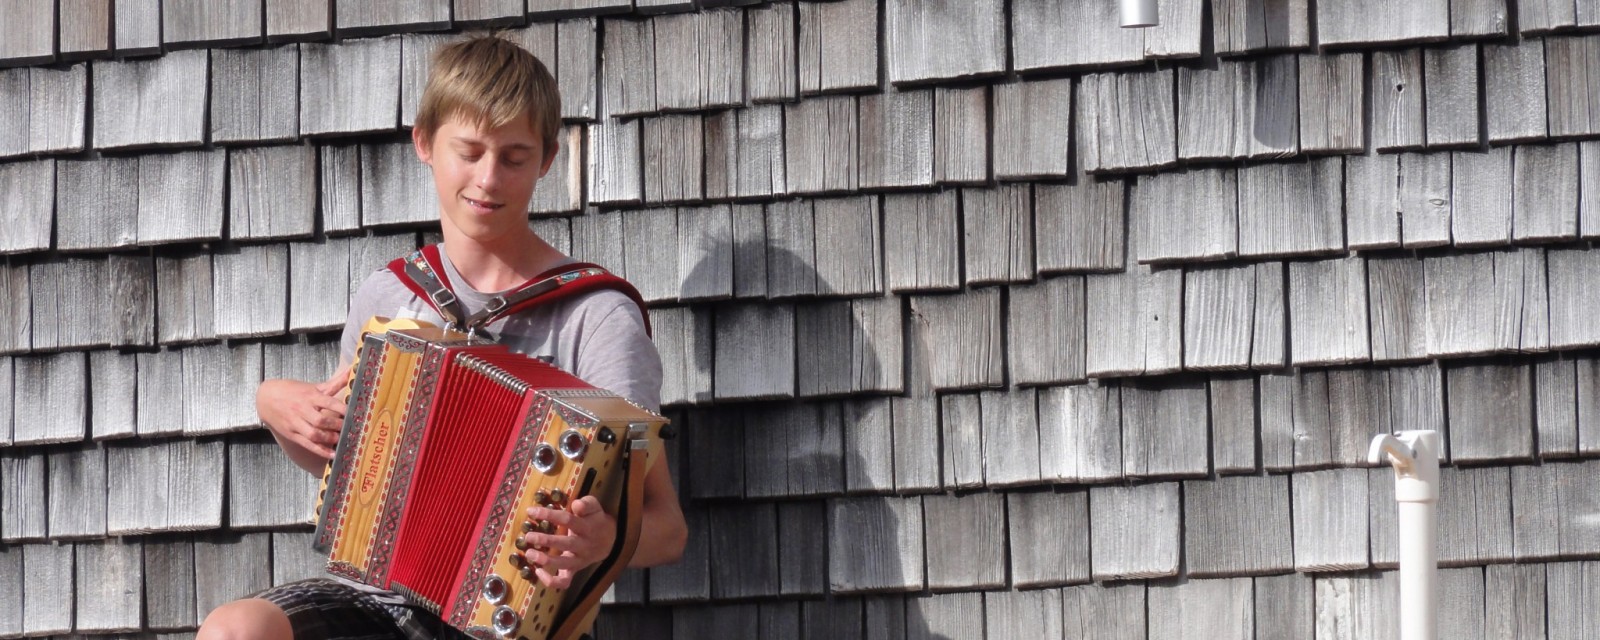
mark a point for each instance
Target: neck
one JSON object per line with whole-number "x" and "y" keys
{"x": 501, "y": 263}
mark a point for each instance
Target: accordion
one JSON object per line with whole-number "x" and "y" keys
{"x": 447, "y": 442}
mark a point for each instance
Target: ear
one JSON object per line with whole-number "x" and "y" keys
{"x": 551, "y": 148}
{"x": 420, "y": 140}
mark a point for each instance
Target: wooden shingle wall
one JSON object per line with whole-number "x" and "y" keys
{"x": 981, "y": 318}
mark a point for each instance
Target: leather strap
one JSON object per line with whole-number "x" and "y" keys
{"x": 629, "y": 523}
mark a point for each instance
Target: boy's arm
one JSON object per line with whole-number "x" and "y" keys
{"x": 663, "y": 532}
{"x": 304, "y": 418}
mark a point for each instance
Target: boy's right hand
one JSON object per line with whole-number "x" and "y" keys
{"x": 301, "y": 414}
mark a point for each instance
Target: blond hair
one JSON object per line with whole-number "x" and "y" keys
{"x": 489, "y": 82}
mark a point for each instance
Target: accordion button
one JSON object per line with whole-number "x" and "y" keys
{"x": 518, "y": 561}
{"x": 545, "y": 527}
{"x": 527, "y": 526}
{"x": 521, "y": 544}
{"x": 542, "y": 497}
{"x": 506, "y": 621}
{"x": 495, "y": 589}
{"x": 557, "y": 496}
{"x": 526, "y": 572}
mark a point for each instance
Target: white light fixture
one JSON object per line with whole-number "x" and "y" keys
{"x": 1137, "y": 14}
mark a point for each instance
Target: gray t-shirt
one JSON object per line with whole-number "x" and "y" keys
{"x": 598, "y": 336}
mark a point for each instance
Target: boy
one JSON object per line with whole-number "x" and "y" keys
{"x": 487, "y": 128}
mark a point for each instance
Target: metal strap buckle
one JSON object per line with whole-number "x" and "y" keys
{"x": 442, "y": 297}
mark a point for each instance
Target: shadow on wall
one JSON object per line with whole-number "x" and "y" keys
{"x": 748, "y": 459}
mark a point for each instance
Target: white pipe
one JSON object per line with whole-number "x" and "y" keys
{"x": 1139, "y": 13}
{"x": 1415, "y": 456}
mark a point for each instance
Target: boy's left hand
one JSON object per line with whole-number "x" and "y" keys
{"x": 590, "y": 534}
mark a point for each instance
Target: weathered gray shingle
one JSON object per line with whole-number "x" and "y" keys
{"x": 755, "y": 351}
{"x": 961, "y": 440}
{"x": 615, "y": 151}
{"x": 1032, "y": 126}
{"x": 113, "y": 380}
{"x": 1331, "y": 99}
{"x": 1079, "y": 227}
{"x": 1358, "y": 606}
{"x": 1065, "y": 34}
{"x": 1247, "y": 26}
{"x": 1022, "y": 614}
{"x": 319, "y": 284}
{"x": 48, "y": 585}
{"x": 250, "y": 291}
{"x": 1049, "y": 537}
{"x": 1372, "y": 201}
{"x": 944, "y": 41}
{"x": 1010, "y": 417}
{"x": 869, "y": 445}
{"x": 1426, "y": 199}
{"x": 1285, "y": 607}
{"x": 821, "y": 145}
{"x": 1569, "y": 587}
{"x": 352, "y": 87}
{"x": 1328, "y": 311}
{"x": 272, "y": 192}
{"x": 1237, "y": 109}
{"x": 1126, "y": 121}
{"x": 897, "y": 139}
{"x": 27, "y": 205}
{"x": 1481, "y": 197}
{"x": 1233, "y": 424}
{"x": 30, "y": 33}
{"x": 1330, "y": 520}
{"x": 24, "y": 485}
{"x": 165, "y": 486}
{"x": 1574, "y": 104}
{"x": 1548, "y": 504}
{"x": 1221, "y": 609}
{"x": 770, "y": 62}
{"x": 955, "y": 559}
{"x": 218, "y": 382}
{"x": 961, "y": 135}
{"x": 559, "y": 8}
{"x": 1184, "y": 215}
{"x": 184, "y": 295}
{"x": 744, "y": 539}
{"x": 254, "y": 94}
{"x": 705, "y": 252}
{"x": 230, "y": 566}
{"x": 396, "y": 188}
{"x": 791, "y": 249}
{"x": 202, "y": 22}
{"x": 998, "y": 243}
{"x": 110, "y": 586}
{"x": 1236, "y": 526}
{"x": 54, "y": 101}
{"x": 339, "y": 188}
{"x": 1517, "y": 594}
{"x": 1544, "y": 204}
{"x": 628, "y": 67}
{"x": 1234, "y": 317}
{"x": 969, "y": 332}
{"x": 1555, "y": 387}
{"x": 1573, "y": 275}
{"x": 265, "y": 488}
{"x": 137, "y": 28}
{"x": 699, "y": 60}
{"x": 656, "y": 273}
{"x": 1164, "y": 429}
{"x": 78, "y": 493}
{"x": 1135, "y": 531}
{"x": 674, "y": 158}
{"x": 1045, "y": 337}
{"x": 876, "y": 544}
{"x": 1486, "y": 302}
{"x": 181, "y": 196}
{"x": 1491, "y": 412}
{"x": 52, "y": 398}
{"x": 561, "y": 189}
{"x": 1475, "y": 525}
{"x": 1397, "y": 100}
{"x": 1513, "y": 82}
{"x": 838, "y": 46}
{"x": 1398, "y": 308}
{"x": 1138, "y": 324}
{"x": 1177, "y": 33}
{"x": 921, "y": 245}
{"x": 1376, "y": 21}
{"x": 294, "y": 20}
{"x": 168, "y": 96}
{"x": 1291, "y": 209}
{"x": 361, "y": 17}
{"x": 1103, "y": 611}
{"x": 1451, "y": 82}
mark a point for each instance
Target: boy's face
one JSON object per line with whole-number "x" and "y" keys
{"x": 484, "y": 178}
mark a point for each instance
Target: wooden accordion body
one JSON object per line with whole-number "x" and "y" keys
{"x": 447, "y": 442}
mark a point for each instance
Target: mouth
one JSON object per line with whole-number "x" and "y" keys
{"x": 483, "y": 206}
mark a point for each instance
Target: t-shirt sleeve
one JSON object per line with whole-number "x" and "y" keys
{"x": 617, "y": 355}
{"x": 367, "y": 302}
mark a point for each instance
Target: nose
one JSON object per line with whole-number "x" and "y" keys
{"x": 488, "y": 174}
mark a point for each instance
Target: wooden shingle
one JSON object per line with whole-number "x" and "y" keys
{"x": 11, "y": 589}
{"x": 366, "y": 17}
{"x": 970, "y": 331}
{"x": 396, "y": 187}
{"x": 741, "y": 620}
{"x": 23, "y": 486}
{"x": 838, "y": 46}
{"x": 955, "y": 559}
{"x": 1328, "y": 311}
{"x": 1125, "y": 121}
{"x": 1164, "y": 429}
{"x": 1450, "y": 78}
{"x": 577, "y": 42}
{"x": 921, "y": 245}
{"x": 749, "y": 251}
{"x": 1177, "y": 33}
{"x": 802, "y": 554}
{"x": 1425, "y": 199}
{"x": 1183, "y": 216}
{"x": 1359, "y": 405}
{"x": 819, "y": 329}
{"x": 1461, "y": 603}
{"x": 30, "y": 39}
{"x": 1045, "y": 331}
{"x": 705, "y": 253}
{"x": 868, "y": 445}
{"x": 169, "y": 101}
{"x": 1574, "y": 105}
{"x": 1572, "y": 278}
{"x": 876, "y": 544}
{"x": 1491, "y": 412}
{"x": 876, "y": 345}
{"x": 645, "y": 243}
{"x": 48, "y": 585}
{"x": 1239, "y": 109}
{"x": 947, "y": 41}
{"x": 628, "y": 67}
{"x": 1513, "y": 80}
{"x": 296, "y": 20}
{"x": 1481, "y": 197}
{"x": 110, "y": 583}
{"x": 230, "y": 566}
{"x": 218, "y": 382}
{"x": 758, "y": 143}
{"x": 1397, "y": 293}
{"x": 1234, "y": 317}
{"x": 56, "y": 320}
{"x": 1330, "y": 520}
{"x": 1372, "y": 201}
{"x": 339, "y": 188}
{"x": 164, "y": 486}
{"x": 961, "y": 140}
{"x": 1295, "y": 420}
{"x": 319, "y": 284}
{"x": 1555, "y": 386}
{"x": 489, "y": 12}
{"x": 1248, "y": 26}
{"x": 57, "y": 102}
{"x": 791, "y": 249}
{"x": 14, "y": 93}
{"x": 1140, "y": 320}
{"x": 770, "y": 62}
{"x": 1023, "y": 614}
{"x": 562, "y": 8}
{"x": 961, "y": 440}
{"x": 744, "y": 538}
{"x": 1285, "y": 607}
{"x": 674, "y": 158}
{"x": 184, "y": 295}
{"x": 1331, "y": 98}
{"x": 821, "y": 145}
{"x": 300, "y": 360}
{"x": 159, "y": 400}
{"x": 78, "y": 493}
{"x": 416, "y": 60}
{"x": 1233, "y": 424}
{"x": 1397, "y": 100}
{"x": 1569, "y": 586}
{"x": 561, "y": 189}
{"x": 1374, "y": 21}
{"x": 1475, "y": 525}
{"x": 113, "y": 378}
{"x": 1291, "y": 209}
{"x": 1060, "y": 34}
{"x": 1135, "y": 531}
{"x": 272, "y": 192}
{"x": 700, "y": 60}
{"x": 181, "y": 196}
{"x": 1104, "y": 611}
{"x": 1517, "y": 593}
{"x": 201, "y": 22}
{"x": 250, "y": 293}
{"x": 265, "y": 488}
{"x": 916, "y": 424}
{"x": 615, "y": 152}
{"x": 137, "y": 28}
{"x": 1358, "y": 606}
{"x": 27, "y": 205}
{"x": 1544, "y": 206}
{"x": 1237, "y": 526}
{"x": 897, "y": 138}
{"x": 1049, "y": 537}
{"x": 1079, "y": 227}
{"x": 352, "y": 87}
{"x": 1032, "y": 129}
{"x": 16, "y": 323}
{"x": 998, "y": 243}
{"x": 1547, "y": 503}
{"x": 1543, "y": 16}
{"x": 254, "y": 94}
{"x": 1479, "y": 18}
{"x": 1486, "y": 302}
{"x": 597, "y": 238}
{"x": 1010, "y": 417}
{"x": 52, "y": 393}
{"x": 85, "y": 29}
{"x": 1222, "y": 609}
{"x": 755, "y": 351}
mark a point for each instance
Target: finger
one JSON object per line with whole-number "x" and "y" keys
{"x": 328, "y": 403}
{"x": 555, "y": 516}
{"x": 330, "y": 422}
{"x": 567, "y": 564}
{"x": 558, "y": 580}
{"x": 555, "y": 543}
{"x": 320, "y": 451}
{"x": 586, "y": 506}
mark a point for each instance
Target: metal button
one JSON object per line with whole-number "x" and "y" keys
{"x": 495, "y": 589}
{"x": 506, "y": 621}
{"x": 544, "y": 458}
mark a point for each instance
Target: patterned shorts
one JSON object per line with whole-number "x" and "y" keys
{"x": 322, "y": 609}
